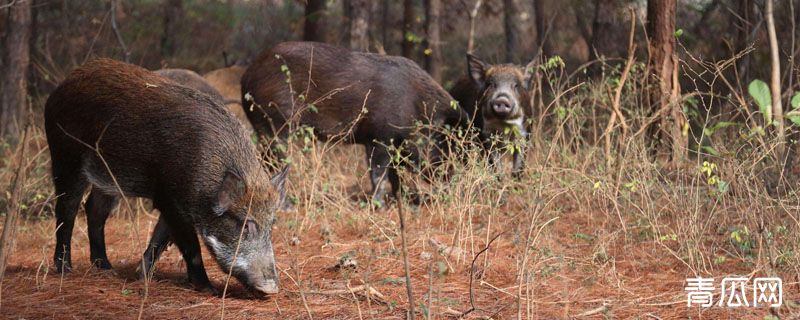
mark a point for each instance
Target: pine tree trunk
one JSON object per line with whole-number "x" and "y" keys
{"x": 433, "y": 48}
{"x": 408, "y": 28}
{"x": 664, "y": 90}
{"x": 602, "y": 43}
{"x": 511, "y": 27}
{"x": 173, "y": 16}
{"x": 14, "y": 80}
{"x": 542, "y": 24}
{"x": 357, "y": 15}
{"x": 775, "y": 83}
{"x": 314, "y": 25}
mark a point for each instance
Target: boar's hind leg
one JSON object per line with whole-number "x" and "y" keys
{"x": 98, "y": 207}
{"x": 158, "y": 243}
{"x": 70, "y": 186}
{"x": 379, "y": 168}
{"x": 183, "y": 234}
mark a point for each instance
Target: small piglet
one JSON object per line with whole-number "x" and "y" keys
{"x": 118, "y": 128}
{"x": 498, "y": 98}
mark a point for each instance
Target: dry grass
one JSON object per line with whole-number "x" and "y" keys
{"x": 580, "y": 234}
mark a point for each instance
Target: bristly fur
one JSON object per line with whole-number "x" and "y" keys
{"x": 162, "y": 141}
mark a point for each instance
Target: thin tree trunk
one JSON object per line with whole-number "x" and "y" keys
{"x": 511, "y": 26}
{"x": 314, "y": 25}
{"x": 408, "y": 28}
{"x": 357, "y": 15}
{"x": 775, "y": 85}
{"x": 664, "y": 90}
{"x": 744, "y": 27}
{"x": 433, "y": 52}
{"x": 603, "y": 42}
{"x": 173, "y": 15}
{"x": 542, "y": 26}
{"x": 472, "y": 17}
{"x": 14, "y": 77}
{"x": 385, "y": 24}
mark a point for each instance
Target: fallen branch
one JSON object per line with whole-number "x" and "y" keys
{"x": 472, "y": 277}
{"x": 600, "y": 309}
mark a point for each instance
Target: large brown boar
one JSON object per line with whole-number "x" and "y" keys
{"x": 192, "y": 80}
{"x": 116, "y": 127}
{"x": 498, "y": 98}
{"x": 228, "y": 82}
{"x": 363, "y": 98}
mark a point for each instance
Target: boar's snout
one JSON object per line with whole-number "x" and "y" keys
{"x": 262, "y": 274}
{"x": 254, "y": 263}
{"x": 502, "y": 107}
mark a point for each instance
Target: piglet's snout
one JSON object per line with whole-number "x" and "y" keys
{"x": 502, "y": 107}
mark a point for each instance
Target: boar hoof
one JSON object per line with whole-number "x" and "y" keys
{"x": 209, "y": 289}
{"x": 63, "y": 267}
{"x": 103, "y": 264}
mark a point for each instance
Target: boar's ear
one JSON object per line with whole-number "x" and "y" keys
{"x": 476, "y": 69}
{"x": 529, "y": 72}
{"x": 231, "y": 190}
{"x": 279, "y": 183}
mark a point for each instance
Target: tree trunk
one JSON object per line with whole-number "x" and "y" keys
{"x": 542, "y": 26}
{"x": 744, "y": 27}
{"x": 433, "y": 41}
{"x": 603, "y": 42}
{"x": 14, "y": 80}
{"x": 173, "y": 16}
{"x": 511, "y": 27}
{"x": 775, "y": 85}
{"x": 314, "y": 25}
{"x": 664, "y": 90}
{"x": 357, "y": 19}
{"x": 408, "y": 28}
{"x": 385, "y": 24}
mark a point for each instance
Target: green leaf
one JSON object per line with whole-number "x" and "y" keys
{"x": 796, "y": 100}
{"x": 678, "y": 33}
{"x": 793, "y": 116}
{"x": 723, "y": 186}
{"x": 719, "y": 125}
{"x": 710, "y": 150}
{"x": 759, "y": 90}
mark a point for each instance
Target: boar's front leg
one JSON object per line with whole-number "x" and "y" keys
{"x": 380, "y": 168}
{"x": 519, "y": 163}
{"x": 158, "y": 243}
{"x": 98, "y": 207}
{"x": 184, "y": 236}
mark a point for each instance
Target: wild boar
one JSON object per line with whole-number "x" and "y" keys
{"x": 361, "y": 98}
{"x": 121, "y": 129}
{"x": 498, "y": 98}
{"x": 193, "y": 80}
{"x": 228, "y": 82}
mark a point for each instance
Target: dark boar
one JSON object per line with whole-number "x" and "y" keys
{"x": 115, "y": 126}
{"x": 395, "y": 93}
{"x": 498, "y": 98}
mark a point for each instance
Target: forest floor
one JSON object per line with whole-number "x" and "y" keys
{"x": 581, "y": 264}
